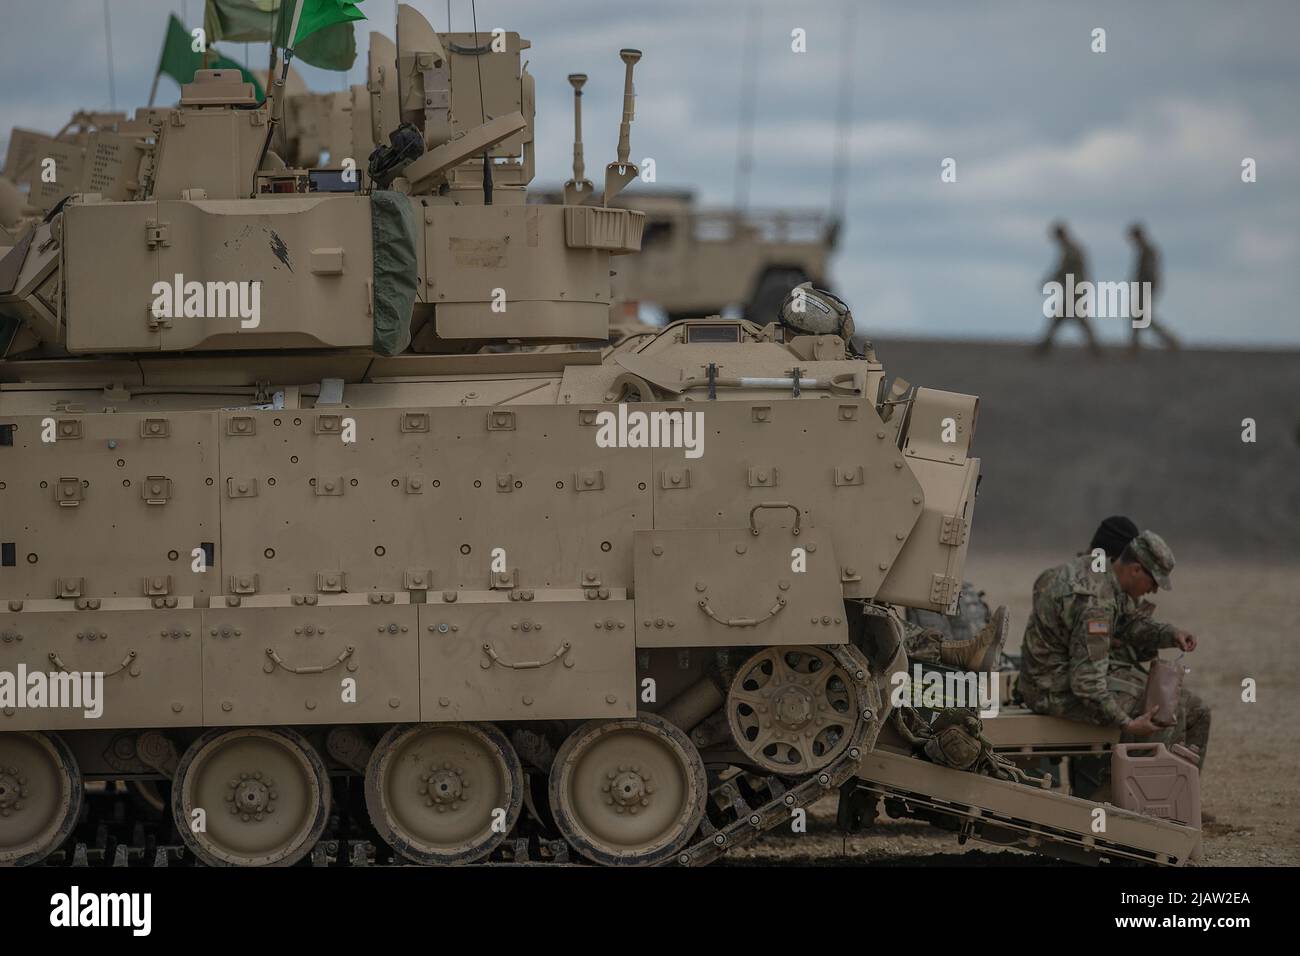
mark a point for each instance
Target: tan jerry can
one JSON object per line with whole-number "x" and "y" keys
{"x": 1152, "y": 779}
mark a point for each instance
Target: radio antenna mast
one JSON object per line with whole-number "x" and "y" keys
{"x": 843, "y": 116}
{"x": 745, "y": 133}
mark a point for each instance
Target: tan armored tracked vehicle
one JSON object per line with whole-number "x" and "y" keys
{"x": 284, "y": 552}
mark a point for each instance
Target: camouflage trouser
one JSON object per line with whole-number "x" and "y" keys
{"x": 922, "y": 643}
{"x": 1192, "y": 726}
{"x": 1055, "y": 703}
{"x": 1128, "y": 686}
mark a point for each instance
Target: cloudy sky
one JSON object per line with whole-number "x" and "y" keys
{"x": 1040, "y": 126}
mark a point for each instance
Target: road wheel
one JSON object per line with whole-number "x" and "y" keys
{"x": 444, "y": 793}
{"x": 628, "y": 791}
{"x": 263, "y": 793}
{"x": 40, "y": 796}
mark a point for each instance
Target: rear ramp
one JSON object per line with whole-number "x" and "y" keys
{"x": 1003, "y": 813}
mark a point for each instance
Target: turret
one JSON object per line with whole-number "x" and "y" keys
{"x": 228, "y": 256}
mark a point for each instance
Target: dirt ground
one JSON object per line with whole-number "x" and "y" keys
{"x": 1066, "y": 440}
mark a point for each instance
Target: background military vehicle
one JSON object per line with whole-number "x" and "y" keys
{"x": 703, "y": 261}
{"x": 87, "y": 153}
{"x": 322, "y": 129}
{"x": 41, "y": 169}
{"x": 697, "y": 261}
{"x": 345, "y": 575}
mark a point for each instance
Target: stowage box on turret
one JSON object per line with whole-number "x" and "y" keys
{"x": 280, "y": 531}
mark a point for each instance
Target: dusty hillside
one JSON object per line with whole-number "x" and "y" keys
{"x": 1067, "y": 439}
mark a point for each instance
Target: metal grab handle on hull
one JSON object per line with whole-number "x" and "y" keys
{"x": 315, "y": 669}
{"x": 753, "y": 527}
{"x": 57, "y": 661}
{"x": 742, "y": 621}
{"x": 494, "y": 658}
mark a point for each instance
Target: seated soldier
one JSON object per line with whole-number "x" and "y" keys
{"x": 1081, "y": 615}
{"x": 1135, "y": 644}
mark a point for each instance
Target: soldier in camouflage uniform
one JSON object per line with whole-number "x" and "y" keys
{"x": 972, "y": 638}
{"x": 1131, "y": 654}
{"x": 1072, "y": 263}
{"x": 1088, "y": 637}
{"x": 1146, "y": 268}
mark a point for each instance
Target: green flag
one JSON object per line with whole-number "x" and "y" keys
{"x": 316, "y": 15}
{"x": 326, "y": 37}
{"x": 245, "y": 21}
{"x": 179, "y": 61}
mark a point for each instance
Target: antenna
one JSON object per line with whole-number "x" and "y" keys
{"x": 622, "y": 171}
{"x": 843, "y": 119}
{"x": 397, "y": 62}
{"x": 629, "y": 57}
{"x": 478, "y": 66}
{"x": 745, "y": 134}
{"x": 108, "y": 45}
{"x": 579, "y": 185}
{"x": 270, "y": 66}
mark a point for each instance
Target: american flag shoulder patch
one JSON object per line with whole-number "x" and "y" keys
{"x": 1098, "y": 627}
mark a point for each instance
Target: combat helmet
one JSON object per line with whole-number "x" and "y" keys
{"x": 812, "y": 311}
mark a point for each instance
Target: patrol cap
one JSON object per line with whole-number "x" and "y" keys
{"x": 1154, "y": 555}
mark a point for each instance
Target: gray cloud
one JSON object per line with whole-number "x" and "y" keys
{"x": 1041, "y": 127}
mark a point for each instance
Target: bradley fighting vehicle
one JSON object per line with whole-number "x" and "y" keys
{"x": 288, "y": 551}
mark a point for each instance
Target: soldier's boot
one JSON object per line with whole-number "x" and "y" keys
{"x": 981, "y": 652}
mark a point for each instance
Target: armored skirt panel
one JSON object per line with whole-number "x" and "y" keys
{"x": 370, "y": 565}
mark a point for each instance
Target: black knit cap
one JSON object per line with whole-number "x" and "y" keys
{"x": 1113, "y": 535}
